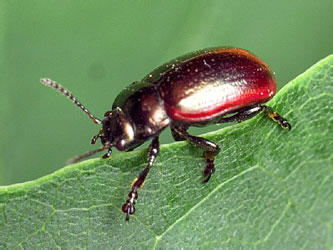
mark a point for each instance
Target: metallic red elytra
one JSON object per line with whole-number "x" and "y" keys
{"x": 209, "y": 86}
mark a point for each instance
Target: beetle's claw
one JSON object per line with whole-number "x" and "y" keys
{"x": 128, "y": 206}
{"x": 206, "y": 179}
{"x": 209, "y": 170}
{"x": 107, "y": 155}
{"x": 283, "y": 122}
{"x": 286, "y": 125}
{"x": 127, "y": 214}
{"x": 207, "y": 174}
{"x": 94, "y": 139}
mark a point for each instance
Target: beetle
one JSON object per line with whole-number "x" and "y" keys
{"x": 209, "y": 86}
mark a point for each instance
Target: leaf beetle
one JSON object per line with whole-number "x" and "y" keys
{"x": 209, "y": 86}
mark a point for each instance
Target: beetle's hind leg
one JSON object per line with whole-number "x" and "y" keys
{"x": 248, "y": 112}
{"x": 177, "y": 136}
{"x": 211, "y": 148}
{"x": 276, "y": 117}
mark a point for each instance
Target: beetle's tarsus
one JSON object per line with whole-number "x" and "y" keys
{"x": 206, "y": 179}
{"x": 210, "y": 168}
{"x": 128, "y": 206}
{"x": 207, "y": 175}
{"x": 108, "y": 154}
{"x": 95, "y": 138}
{"x": 282, "y": 121}
{"x": 286, "y": 125}
{"x": 277, "y": 118}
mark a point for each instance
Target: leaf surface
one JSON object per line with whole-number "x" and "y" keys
{"x": 271, "y": 188}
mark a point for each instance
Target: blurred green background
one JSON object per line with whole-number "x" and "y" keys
{"x": 95, "y": 48}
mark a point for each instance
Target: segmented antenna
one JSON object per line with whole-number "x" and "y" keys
{"x": 68, "y": 94}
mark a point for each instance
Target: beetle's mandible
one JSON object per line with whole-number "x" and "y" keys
{"x": 209, "y": 86}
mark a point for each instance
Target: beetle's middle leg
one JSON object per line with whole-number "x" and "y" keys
{"x": 153, "y": 151}
{"x": 211, "y": 148}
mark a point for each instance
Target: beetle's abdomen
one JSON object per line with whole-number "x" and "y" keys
{"x": 214, "y": 83}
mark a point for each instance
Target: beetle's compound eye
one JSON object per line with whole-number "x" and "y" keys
{"x": 121, "y": 145}
{"x": 123, "y": 133}
{"x": 107, "y": 113}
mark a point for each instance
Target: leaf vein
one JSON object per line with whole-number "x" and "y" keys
{"x": 159, "y": 237}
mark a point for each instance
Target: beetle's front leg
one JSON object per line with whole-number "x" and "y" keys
{"x": 211, "y": 149}
{"x": 153, "y": 151}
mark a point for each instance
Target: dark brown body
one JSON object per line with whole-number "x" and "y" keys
{"x": 194, "y": 90}
{"x": 215, "y": 85}
{"x": 203, "y": 85}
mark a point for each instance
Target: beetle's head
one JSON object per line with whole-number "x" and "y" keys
{"x": 117, "y": 130}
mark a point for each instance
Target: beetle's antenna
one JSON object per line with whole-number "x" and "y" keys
{"x": 85, "y": 155}
{"x": 68, "y": 94}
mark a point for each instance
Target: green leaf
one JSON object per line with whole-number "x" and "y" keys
{"x": 271, "y": 188}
